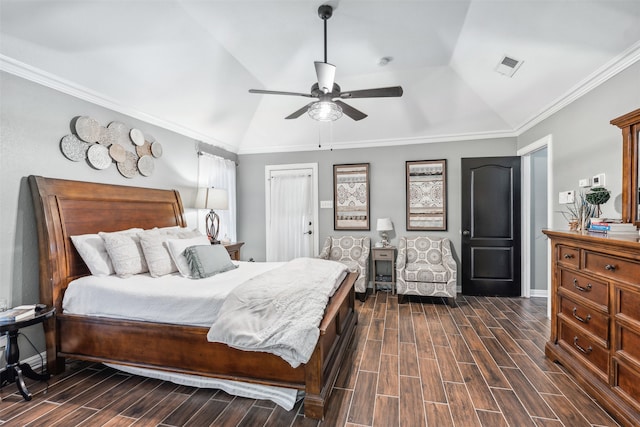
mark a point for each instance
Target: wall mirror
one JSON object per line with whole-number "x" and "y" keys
{"x": 630, "y": 126}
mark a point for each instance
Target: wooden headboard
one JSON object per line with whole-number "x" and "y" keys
{"x": 65, "y": 208}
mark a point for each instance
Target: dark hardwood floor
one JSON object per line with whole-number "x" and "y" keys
{"x": 417, "y": 364}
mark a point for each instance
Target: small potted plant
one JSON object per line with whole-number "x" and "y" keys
{"x": 598, "y": 196}
{"x": 578, "y": 213}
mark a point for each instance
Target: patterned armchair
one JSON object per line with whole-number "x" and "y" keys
{"x": 426, "y": 267}
{"x": 354, "y": 253}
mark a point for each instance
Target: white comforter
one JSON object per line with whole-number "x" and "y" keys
{"x": 280, "y": 310}
{"x": 167, "y": 299}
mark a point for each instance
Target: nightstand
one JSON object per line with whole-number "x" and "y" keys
{"x": 15, "y": 371}
{"x": 234, "y": 250}
{"x": 382, "y": 276}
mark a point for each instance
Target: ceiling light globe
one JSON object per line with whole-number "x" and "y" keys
{"x": 325, "y": 111}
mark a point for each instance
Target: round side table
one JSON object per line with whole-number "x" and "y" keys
{"x": 15, "y": 370}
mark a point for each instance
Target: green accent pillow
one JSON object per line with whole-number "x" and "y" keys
{"x": 209, "y": 260}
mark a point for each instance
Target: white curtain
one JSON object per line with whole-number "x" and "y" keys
{"x": 217, "y": 172}
{"x": 290, "y": 213}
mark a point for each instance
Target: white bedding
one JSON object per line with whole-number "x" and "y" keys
{"x": 279, "y": 312}
{"x": 142, "y": 297}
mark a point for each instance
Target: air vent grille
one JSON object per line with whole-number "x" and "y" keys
{"x": 508, "y": 66}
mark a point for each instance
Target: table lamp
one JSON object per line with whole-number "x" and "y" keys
{"x": 212, "y": 198}
{"x": 384, "y": 225}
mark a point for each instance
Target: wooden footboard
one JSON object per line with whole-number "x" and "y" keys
{"x": 64, "y": 208}
{"x": 185, "y": 349}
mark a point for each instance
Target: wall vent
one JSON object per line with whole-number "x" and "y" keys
{"x": 508, "y": 66}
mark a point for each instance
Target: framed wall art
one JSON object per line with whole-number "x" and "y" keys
{"x": 426, "y": 195}
{"x": 351, "y": 197}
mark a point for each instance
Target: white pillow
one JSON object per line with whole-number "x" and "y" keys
{"x": 156, "y": 252}
{"x": 177, "y": 247}
{"x": 125, "y": 252}
{"x": 94, "y": 254}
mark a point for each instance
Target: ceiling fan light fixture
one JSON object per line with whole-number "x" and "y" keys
{"x": 325, "y": 111}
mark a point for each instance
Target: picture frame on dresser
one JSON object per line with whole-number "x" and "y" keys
{"x": 351, "y": 197}
{"x": 426, "y": 197}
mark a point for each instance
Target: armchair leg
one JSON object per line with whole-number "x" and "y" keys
{"x": 362, "y": 296}
{"x": 451, "y": 301}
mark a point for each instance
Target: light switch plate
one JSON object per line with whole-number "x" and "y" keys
{"x": 326, "y": 204}
{"x": 565, "y": 197}
{"x": 586, "y": 182}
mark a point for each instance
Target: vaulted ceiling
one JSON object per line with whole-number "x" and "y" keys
{"x": 187, "y": 65}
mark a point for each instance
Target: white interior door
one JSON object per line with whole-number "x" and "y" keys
{"x": 291, "y": 211}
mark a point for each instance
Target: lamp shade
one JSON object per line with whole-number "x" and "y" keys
{"x": 212, "y": 198}
{"x": 384, "y": 224}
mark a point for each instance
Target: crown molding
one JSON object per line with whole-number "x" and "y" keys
{"x": 618, "y": 64}
{"x": 333, "y": 145}
{"x": 52, "y": 81}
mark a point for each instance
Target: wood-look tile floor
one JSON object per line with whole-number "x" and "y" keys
{"x": 417, "y": 364}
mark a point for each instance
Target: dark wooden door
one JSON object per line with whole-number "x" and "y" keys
{"x": 491, "y": 226}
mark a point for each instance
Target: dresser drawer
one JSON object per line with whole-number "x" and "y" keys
{"x": 628, "y": 342}
{"x": 385, "y": 254}
{"x": 627, "y": 382}
{"x": 586, "y": 318}
{"x": 568, "y": 255}
{"x": 579, "y": 343}
{"x": 612, "y": 267}
{"x": 578, "y": 284}
{"x": 628, "y": 303}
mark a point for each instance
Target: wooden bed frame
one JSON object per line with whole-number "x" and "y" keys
{"x": 64, "y": 208}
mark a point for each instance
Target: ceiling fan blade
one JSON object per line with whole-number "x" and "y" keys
{"x": 326, "y": 76}
{"x": 350, "y": 111}
{"x": 383, "y": 92}
{"x": 276, "y": 92}
{"x": 299, "y": 112}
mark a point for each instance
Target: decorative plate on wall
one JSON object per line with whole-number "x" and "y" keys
{"x": 107, "y": 137}
{"x": 100, "y": 146}
{"x": 98, "y": 156}
{"x": 87, "y": 129}
{"x": 117, "y": 153}
{"x": 121, "y": 132}
{"x": 145, "y": 165}
{"x": 144, "y": 149}
{"x": 137, "y": 136}
{"x": 156, "y": 149}
{"x": 73, "y": 148}
{"x": 128, "y": 168}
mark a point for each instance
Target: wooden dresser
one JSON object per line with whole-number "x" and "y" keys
{"x": 595, "y": 322}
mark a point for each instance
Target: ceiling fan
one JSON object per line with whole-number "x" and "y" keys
{"x": 329, "y": 105}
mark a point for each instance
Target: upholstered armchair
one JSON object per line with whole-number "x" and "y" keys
{"x": 354, "y": 253}
{"x": 426, "y": 267}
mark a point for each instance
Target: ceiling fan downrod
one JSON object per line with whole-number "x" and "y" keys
{"x": 324, "y": 12}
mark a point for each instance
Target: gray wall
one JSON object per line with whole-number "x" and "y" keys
{"x": 387, "y": 181}
{"x": 585, "y": 144}
{"x": 33, "y": 119}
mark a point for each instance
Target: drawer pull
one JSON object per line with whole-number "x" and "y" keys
{"x": 581, "y": 288}
{"x": 610, "y": 267}
{"x": 579, "y": 347}
{"x": 568, "y": 256}
{"x": 581, "y": 319}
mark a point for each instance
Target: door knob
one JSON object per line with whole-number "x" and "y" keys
{"x": 466, "y": 233}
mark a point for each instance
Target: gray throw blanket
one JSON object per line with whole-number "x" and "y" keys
{"x": 279, "y": 311}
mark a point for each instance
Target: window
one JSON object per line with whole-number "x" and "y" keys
{"x": 217, "y": 172}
